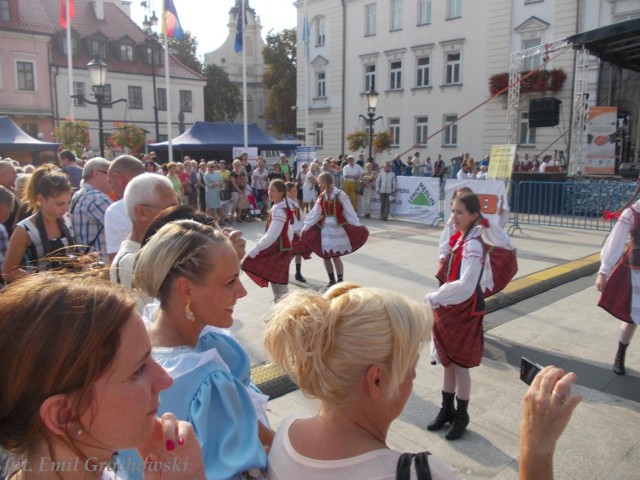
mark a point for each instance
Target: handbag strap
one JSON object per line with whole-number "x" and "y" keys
{"x": 403, "y": 470}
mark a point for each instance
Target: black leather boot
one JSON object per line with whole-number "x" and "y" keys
{"x": 446, "y": 413}
{"x": 460, "y": 421}
{"x": 332, "y": 280}
{"x": 299, "y": 276}
{"x": 618, "y": 364}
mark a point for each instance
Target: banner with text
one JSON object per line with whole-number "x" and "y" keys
{"x": 416, "y": 198}
{"x": 501, "y": 162}
{"x": 600, "y": 141}
{"x": 492, "y": 193}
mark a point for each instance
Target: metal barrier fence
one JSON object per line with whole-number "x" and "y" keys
{"x": 572, "y": 204}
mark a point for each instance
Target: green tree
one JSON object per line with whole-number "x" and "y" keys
{"x": 185, "y": 51}
{"x": 280, "y": 78}
{"x": 222, "y": 98}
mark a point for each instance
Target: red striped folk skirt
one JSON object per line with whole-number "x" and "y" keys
{"x": 458, "y": 335}
{"x": 270, "y": 265}
{"x": 358, "y": 236}
{"x": 616, "y": 298}
{"x": 300, "y": 248}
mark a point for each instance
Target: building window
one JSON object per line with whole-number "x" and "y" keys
{"x": 161, "y": 99}
{"x": 126, "y": 53}
{"x": 319, "y": 130}
{"x": 424, "y": 12}
{"x": 454, "y": 9}
{"x": 107, "y": 96}
{"x": 78, "y": 91}
{"x": 26, "y": 79}
{"x": 30, "y": 129}
{"x": 450, "y": 137}
{"x": 152, "y": 56}
{"x": 423, "y": 77}
{"x": 74, "y": 45}
{"x": 422, "y": 130}
{"x": 320, "y": 31}
{"x": 186, "y": 105}
{"x": 394, "y": 130}
{"x": 5, "y": 13}
{"x": 527, "y": 135}
{"x": 370, "y": 19}
{"x": 452, "y": 69}
{"x": 531, "y": 63}
{"x": 135, "y": 98}
{"x": 321, "y": 85}
{"x": 395, "y": 75}
{"x": 396, "y": 14}
{"x": 369, "y": 77}
{"x": 98, "y": 47}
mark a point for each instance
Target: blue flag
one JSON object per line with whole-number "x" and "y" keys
{"x": 239, "y": 45}
{"x": 305, "y": 36}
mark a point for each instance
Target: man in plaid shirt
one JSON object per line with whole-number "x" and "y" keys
{"x": 89, "y": 205}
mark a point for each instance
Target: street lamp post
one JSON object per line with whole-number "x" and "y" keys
{"x": 372, "y": 103}
{"x": 98, "y": 75}
{"x": 148, "y": 24}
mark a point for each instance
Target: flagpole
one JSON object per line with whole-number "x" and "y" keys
{"x": 72, "y": 108}
{"x": 244, "y": 78}
{"x": 166, "y": 81}
{"x": 306, "y": 74}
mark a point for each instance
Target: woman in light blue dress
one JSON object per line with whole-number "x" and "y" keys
{"x": 193, "y": 270}
{"x": 213, "y": 184}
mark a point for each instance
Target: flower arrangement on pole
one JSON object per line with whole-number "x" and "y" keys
{"x": 73, "y": 135}
{"x": 382, "y": 141}
{"x": 357, "y": 140}
{"x": 127, "y": 135}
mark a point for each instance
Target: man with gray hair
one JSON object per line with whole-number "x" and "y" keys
{"x": 145, "y": 196}
{"x": 117, "y": 224}
{"x": 89, "y": 204}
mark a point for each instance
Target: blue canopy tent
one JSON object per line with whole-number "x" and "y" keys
{"x": 213, "y": 138}
{"x": 14, "y": 139}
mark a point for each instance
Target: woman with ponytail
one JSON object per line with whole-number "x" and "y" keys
{"x": 268, "y": 261}
{"x": 619, "y": 275}
{"x": 45, "y": 232}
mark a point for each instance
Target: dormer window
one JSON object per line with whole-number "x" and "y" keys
{"x": 74, "y": 45}
{"x": 152, "y": 56}
{"x": 126, "y": 52}
{"x": 5, "y": 12}
{"x": 98, "y": 47}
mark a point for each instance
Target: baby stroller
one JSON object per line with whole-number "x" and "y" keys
{"x": 252, "y": 211}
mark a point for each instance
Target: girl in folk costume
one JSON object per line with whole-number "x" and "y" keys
{"x": 268, "y": 260}
{"x": 338, "y": 231}
{"x": 459, "y": 309}
{"x": 619, "y": 275}
{"x": 300, "y": 250}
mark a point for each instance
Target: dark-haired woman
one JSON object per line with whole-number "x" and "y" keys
{"x": 268, "y": 260}
{"x": 45, "y": 232}
{"x": 459, "y": 310}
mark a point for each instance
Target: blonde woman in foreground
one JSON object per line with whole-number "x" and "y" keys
{"x": 355, "y": 349}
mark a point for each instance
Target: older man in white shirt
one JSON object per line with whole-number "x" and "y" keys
{"x": 352, "y": 174}
{"x": 386, "y": 184}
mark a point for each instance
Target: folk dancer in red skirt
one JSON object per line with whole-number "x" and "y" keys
{"x": 332, "y": 228}
{"x": 459, "y": 309}
{"x": 268, "y": 260}
{"x": 619, "y": 276}
{"x": 300, "y": 250}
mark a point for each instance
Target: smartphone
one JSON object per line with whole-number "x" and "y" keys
{"x": 528, "y": 370}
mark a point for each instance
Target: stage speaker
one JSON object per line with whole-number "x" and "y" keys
{"x": 628, "y": 170}
{"x": 544, "y": 112}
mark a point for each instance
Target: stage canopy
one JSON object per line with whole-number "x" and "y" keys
{"x": 212, "y": 136}
{"x": 618, "y": 44}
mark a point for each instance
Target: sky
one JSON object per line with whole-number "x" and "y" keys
{"x": 207, "y": 19}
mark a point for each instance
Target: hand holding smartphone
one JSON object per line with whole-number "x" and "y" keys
{"x": 528, "y": 370}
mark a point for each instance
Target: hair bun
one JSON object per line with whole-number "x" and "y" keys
{"x": 340, "y": 289}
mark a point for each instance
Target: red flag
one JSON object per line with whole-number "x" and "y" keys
{"x": 63, "y": 12}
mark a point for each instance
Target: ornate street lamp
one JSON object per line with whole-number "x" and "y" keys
{"x": 372, "y": 103}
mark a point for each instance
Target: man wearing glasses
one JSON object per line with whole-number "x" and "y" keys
{"x": 89, "y": 204}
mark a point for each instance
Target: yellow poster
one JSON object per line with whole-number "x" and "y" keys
{"x": 501, "y": 162}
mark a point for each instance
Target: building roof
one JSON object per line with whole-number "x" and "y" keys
{"x": 42, "y": 17}
{"x": 618, "y": 43}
